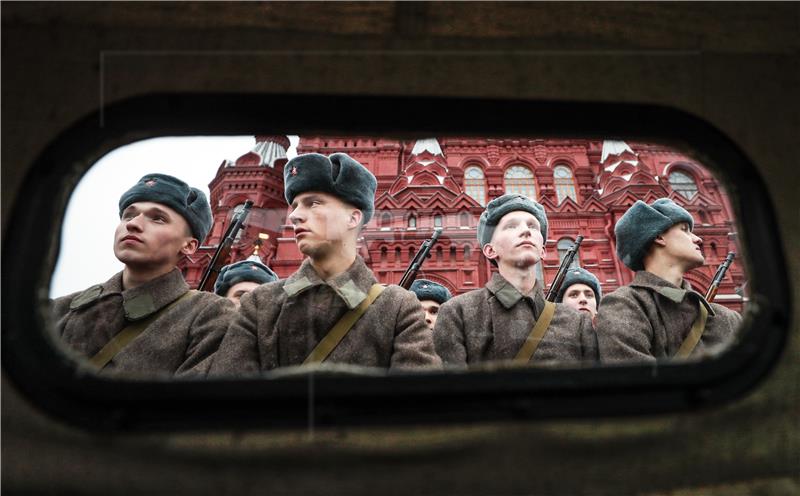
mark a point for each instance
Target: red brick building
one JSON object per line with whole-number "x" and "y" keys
{"x": 584, "y": 185}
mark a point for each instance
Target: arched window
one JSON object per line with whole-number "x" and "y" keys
{"x": 383, "y": 254}
{"x": 564, "y": 183}
{"x": 563, "y": 246}
{"x": 519, "y": 180}
{"x": 386, "y": 219}
{"x": 437, "y": 220}
{"x": 463, "y": 219}
{"x": 412, "y": 221}
{"x": 397, "y": 254}
{"x": 475, "y": 184}
{"x": 439, "y": 255}
{"x": 453, "y": 254}
{"x": 683, "y": 183}
{"x": 467, "y": 253}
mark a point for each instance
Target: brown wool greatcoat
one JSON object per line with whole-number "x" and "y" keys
{"x": 280, "y": 323}
{"x": 650, "y": 318}
{"x": 494, "y": 322}
{"x": 180, "y": 342}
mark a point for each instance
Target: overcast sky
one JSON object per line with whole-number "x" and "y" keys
{"x": 87, "y": 257}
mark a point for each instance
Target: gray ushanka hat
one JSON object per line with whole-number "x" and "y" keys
{"x": 641, "y": 224}
{"x": 579, "y": 275}
{"x": 338, "y": 175}
{"x": 190, "y": 203}
{"x": 429, "y": 290}
{"x": 246, "y": 270}
{"x": 499, "y": 207}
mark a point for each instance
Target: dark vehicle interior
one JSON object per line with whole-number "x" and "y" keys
{"x": 718, "y": 81}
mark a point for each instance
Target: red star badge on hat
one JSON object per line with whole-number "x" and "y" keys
{"x": 150, "y": 183}
{"x": 294, "y": 170}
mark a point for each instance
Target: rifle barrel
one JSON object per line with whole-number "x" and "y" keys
{"x": 223, "y": 248}
{"x": 552, "y": 293}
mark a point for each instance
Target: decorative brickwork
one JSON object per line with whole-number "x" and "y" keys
{"x": 425, "y": 183}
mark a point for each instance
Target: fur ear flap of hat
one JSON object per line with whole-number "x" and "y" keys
{"x": 246, "y": 270}
{"x": 338, "y": 175}
{"x": 579, "y": 275}
{"x": 502, "y": 205}
{"x": 190, "y": 203}
{"x": 429, "y": 290}
{"x": 641, "y": 224}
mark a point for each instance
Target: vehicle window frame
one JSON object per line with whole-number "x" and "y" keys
{"x": 62, "y": 386}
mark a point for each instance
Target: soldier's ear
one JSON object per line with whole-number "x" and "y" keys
{"x": 354, "y": 218}
{"x": 489, "y": 251}
{"x": 190, "y": 246}
{"x": 659, "y": 241}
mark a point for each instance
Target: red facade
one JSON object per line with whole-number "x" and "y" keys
{"x": 584, "y": 185}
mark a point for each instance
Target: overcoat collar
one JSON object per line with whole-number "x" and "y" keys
{"x": 351, "y": 285}
{"x": 138, "y": 302}
{"x": 508, "y": 295}
{"x": 652, "y": 282}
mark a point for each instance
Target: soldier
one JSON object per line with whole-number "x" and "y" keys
{"x": 431, "y": 296}
{"x": 581, "y": 291}
{"x": 145, "y": 320}
{"x": 659, "y": 315}
{"x": 509, "y": 319}
{"x": 332, "y": 309}
{"x": 239, "y": 278}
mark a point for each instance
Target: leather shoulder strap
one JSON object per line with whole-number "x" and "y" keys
{"x": 128, "y": 334}
{"x": 690, "y": 343}
{"x": 338, "y": 332}
{"x": 537, "y": 333}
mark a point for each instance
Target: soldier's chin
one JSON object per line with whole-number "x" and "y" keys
{"x": 309, "y": 249}
{"x": 697, "y": 262}
{"x": 526, "y": 261}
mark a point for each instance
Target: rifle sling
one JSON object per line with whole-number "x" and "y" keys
{"x": 128, "y": 334}
{"x": 537, "y": 333}
{"x": 695, "y": 334}
{"x": 342, "y": 327}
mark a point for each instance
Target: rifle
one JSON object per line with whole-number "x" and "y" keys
{"x": 423, "y": 253}
{"x": 552, "y": 293}
{"x": 721, "y": 270}
{"x": 224, "y": 249}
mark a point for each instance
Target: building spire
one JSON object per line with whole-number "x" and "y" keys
{"x": 267, "y": 150}
{"x": 431, "y": 145}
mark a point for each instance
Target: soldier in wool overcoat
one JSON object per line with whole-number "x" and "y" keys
{"x": 493, "y": 323}
{"x": 161, "y": 220}
{"x": 288, "y": 322}
{"x": 653, "y": 317}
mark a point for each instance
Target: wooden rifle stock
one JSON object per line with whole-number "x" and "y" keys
{"x": 424, "y": 251}
{"x": 224, "y": 249}
{"x": 552, "y": 294}
{"x": 720, "y": 274}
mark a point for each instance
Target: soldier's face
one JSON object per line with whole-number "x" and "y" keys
{"x": 517, "y": 241}
{"x": 581, "y": 297}
{"x": 322, "y": 222}
{"x": 152, "y": 236}
{"x": 431, "y": 311}
{"x": 682, "y": 245}
{"x": 239, "y": 289}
